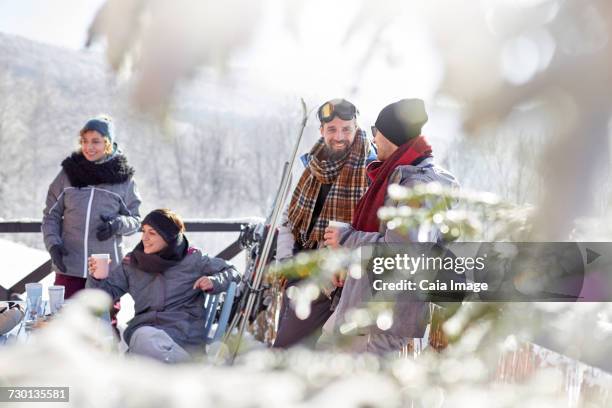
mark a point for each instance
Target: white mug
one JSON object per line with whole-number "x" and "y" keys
{"x": 338, "y": 224}
{"x": 101, "y": 265}
{"x": 56, "y": 298}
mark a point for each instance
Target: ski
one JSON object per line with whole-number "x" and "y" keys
{"x": 265, "y": 238}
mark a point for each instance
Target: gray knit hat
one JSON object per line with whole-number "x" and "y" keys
{"x": 103, "y": 125}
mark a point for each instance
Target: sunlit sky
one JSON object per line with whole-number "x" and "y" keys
{"x": 58, "y": 22}
{"x": 338, "y": 62}
{"x": 325, "y": 66}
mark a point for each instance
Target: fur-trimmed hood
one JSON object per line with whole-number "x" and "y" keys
{"x": 81, "y": 172}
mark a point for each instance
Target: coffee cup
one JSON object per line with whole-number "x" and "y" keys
{"x": 34, "y": 299}
{"x": 338, "y": 224}
{"x": 102, "y": 263}
{"x": 56, "y": 298}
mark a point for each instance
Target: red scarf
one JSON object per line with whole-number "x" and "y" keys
{"x": 365, "y": 218}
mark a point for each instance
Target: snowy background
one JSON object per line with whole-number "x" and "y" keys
{"x": 518, "y": 99}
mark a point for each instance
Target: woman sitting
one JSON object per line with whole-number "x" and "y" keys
{"x": 167, "y": 280}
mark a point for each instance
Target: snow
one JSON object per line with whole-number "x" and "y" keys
{"x": 18, "y": 260}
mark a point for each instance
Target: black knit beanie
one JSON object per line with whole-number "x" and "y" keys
{"x": 402, "y": 120}
{"x": 164, "y": 226}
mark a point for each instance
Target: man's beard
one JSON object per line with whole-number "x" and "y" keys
{"x": 333, "y": 154}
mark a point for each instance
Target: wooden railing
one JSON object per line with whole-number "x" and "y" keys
{"x": 243, "y": 226}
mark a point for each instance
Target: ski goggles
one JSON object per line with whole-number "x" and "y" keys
{"x": 337, "y": 107}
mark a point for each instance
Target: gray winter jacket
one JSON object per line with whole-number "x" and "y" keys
{"x": 167, "y": 300}
{"x": 72, "y": 215}
{"x": 410, "y": 318}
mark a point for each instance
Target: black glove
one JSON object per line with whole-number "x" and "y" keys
{"x": 57, "y": 253}
{"x": 108, "y": 228}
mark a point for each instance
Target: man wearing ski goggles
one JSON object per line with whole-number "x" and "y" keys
{"x": 333, "y": 181}
{"x": 338, "y": 127}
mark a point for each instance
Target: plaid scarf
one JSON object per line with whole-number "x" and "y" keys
{"x": 347, "y": 175}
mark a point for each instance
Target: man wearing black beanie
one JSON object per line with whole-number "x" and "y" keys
{"x": 404, "y": 158}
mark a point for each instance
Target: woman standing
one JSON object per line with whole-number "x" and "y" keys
{"x": 167, "y": 279}
{"x": 91, "y": 205}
